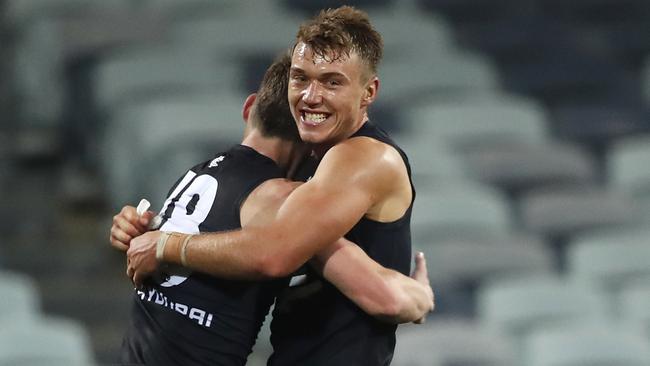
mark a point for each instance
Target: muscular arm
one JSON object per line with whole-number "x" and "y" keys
{"x": 352, "y": 177}
{"x": 381, "y": 292}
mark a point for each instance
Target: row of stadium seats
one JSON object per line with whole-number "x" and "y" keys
{"x": 30, "y": 337}
{"x": 537, "y": 321}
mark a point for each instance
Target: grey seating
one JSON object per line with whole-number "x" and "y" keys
{"x": 634, "y": 305}
{"x": 431, "y": 164}
{"x": 134, "y": 150}
{"x": 135, "y": 75}
{"x": 520, "y": 167}
{"x": 270, "y": 34}
{"x": 517, "y": 307}
{"x": 45, "y": 342}
{"x": 569, "y": 211}
{"x": 19, "y": 298}
{"x": 454, "y": 209}
{"x": 460, "y": 265}
{"x": 610, "y": 259}
{"x": 467, "y": 124}
{"x": 627, "y": 170}
{"x": 587, "y": 344}
{"x": 460, "y": 260}
{"x": 451, "y": 342}
{"x": 448, "y": 74}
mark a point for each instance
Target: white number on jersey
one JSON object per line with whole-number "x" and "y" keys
{"x": 192, "y": 200}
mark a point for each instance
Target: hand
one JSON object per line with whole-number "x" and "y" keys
{"x": 421, "y": 275}
{"x": 127, "y": 225}
{"x": 141, "y": 257}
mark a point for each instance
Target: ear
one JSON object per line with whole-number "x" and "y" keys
{"x": 370, "y": 91}
{"x": 248, "y": 105}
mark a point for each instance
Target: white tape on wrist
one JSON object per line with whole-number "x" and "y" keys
{"x": 184, "y": 250}
{"x": 160, "y": 245}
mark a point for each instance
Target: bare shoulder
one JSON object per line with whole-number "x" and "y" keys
{"x": 262, "y": 203}
{"x": 369, "y": 167}
{"x": 273, "y": 190}
{"x": 365, "y": 154}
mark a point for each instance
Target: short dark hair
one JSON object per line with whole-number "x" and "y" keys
{"x": 274, "y": 118}
{"x": 336, "y": 32}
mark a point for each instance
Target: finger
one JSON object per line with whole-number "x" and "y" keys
{"x": 138, "y": 278}
{"x": 420, "y": 261}
{"x": 433, "y": 300}
{"x": 119, "y": 238}
{"x": 130, "y": 215}
{"x": 130, "y": 271}
{"x": 119, "y": 245}
{"x": 132, "y": 226}
{"x": 146, "y": 217}
{"x": 420, "y": 272}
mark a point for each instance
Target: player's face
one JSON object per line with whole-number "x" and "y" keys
{"x": 328, "y": 99}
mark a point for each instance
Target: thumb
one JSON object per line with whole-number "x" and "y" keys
{"x": 420, "y": 273}
{"x": 146, "y": 217}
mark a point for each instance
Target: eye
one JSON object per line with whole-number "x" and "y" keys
{"x": 333, "y": 83}
{"x": 298, "y": 78}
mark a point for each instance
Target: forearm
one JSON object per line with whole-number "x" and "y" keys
{"x": 414, "y": 298}
{"x": 250, "y": 254}
{"x": 383, "y": 293}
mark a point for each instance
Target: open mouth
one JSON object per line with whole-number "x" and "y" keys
{"x": 313, "y": 119}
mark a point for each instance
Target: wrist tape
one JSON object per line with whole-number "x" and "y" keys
{"x": 172, "y": 247}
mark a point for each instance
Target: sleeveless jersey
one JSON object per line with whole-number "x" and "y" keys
{"x": 189, "y": 318}
{"x": 315, "y": 324}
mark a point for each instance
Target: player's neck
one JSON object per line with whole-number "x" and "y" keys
{"x": 284, "y": 153}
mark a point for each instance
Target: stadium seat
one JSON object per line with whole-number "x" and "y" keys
{"x": 172, "y": 10}
{"x": 45, "y": 342}
{"x": 473, "y": 11}
{"x": 565, "y": 212}
{"x": 22, "y": 12}
{"x": 448, "y": 75}
{"x": 458, "y": 266}
{"x": 52, "y": 39}
{"x": 587, "y": 344}
{"x": 517, "y": 307}
{"x": 454, "y": 210}
{"x": 270, "y": 34}
{"x": 20, "y": 300}
{"x": 408, "y": 35}
{"x": 465, "y": 124}
{"x": 596, "y": 11}
{"x": 575, "y": 77}
{"x": 431, "y": 164}
{"x": 311, "y": 8}
{"x": 634, "y": 305}
{"x": 611, "y": 258}
{"x": 135, "y": 145}
{"x": 626, "y": 162}
{"x": 519, "y": 167}
{"x": 451, "y": 342}
{"x": 145, "y": 73}
{"x": 598, "y": 125}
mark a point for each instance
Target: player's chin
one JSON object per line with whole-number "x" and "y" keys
{"x": 311, "y": 137}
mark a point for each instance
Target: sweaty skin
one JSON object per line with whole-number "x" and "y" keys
{"x": 357, "y": 177}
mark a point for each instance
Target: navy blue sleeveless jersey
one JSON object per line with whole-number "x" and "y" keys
{"x": 189, "y": 318}
{"x": 315, "y": 324}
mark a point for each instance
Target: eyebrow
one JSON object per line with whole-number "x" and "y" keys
{"x": 321, "y": 76}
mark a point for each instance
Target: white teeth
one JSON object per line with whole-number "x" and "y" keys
{"x": 315, "y": 117}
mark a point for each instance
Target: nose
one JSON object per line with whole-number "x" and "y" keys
{"x": 312, "y": 94}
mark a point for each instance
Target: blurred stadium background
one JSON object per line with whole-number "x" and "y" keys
{"x": 526, "y": 121}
